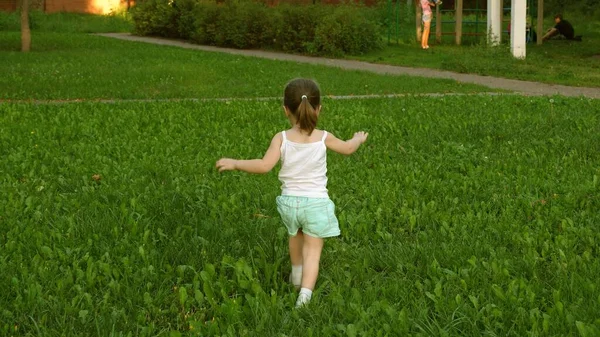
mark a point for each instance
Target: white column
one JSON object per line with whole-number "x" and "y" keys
{"x": 517, "y": 28}
{"x": 494, "y": 22}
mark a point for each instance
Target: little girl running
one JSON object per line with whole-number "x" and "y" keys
{"x": 304, "y": 204}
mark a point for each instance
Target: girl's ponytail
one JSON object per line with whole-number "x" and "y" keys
{"x": 307, "y": 116}
{"x": 302, "y": 97}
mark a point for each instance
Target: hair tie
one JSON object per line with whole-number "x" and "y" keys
{"x": 304, "y": 97}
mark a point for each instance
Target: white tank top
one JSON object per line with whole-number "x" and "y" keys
{"x": 304, "y": 168}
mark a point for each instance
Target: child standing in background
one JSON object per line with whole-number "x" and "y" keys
{"x": 304, "y": 204}
{"x": 426, "y": 18}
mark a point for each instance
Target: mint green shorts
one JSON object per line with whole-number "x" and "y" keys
{"x": 315, "y": 216}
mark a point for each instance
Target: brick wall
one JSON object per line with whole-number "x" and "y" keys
{"x": 78, "y": 6}
{"x": 276, "y": 2}
{"x": 8, "y": 5}
{"x": 85, "y": 6}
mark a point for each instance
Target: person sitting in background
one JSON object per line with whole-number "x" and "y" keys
{"x": 562, "y": 27}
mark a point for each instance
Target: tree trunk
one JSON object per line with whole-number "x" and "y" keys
{"x": 458, "y": 18}
{"x": 25, "y": 31}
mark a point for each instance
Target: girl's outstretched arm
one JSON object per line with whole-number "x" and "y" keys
{"x": 346, "y": 147}
{"x": 263, "y": 165}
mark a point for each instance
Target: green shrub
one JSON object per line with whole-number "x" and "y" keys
{"x": 155, "y": 18}
{"x": 237, "y": 25}
{"x": 206, "y": 24}
{"x": 297, "y": 33}
{"x": 186, "y": 18}
{"x": 234, "y": 23}
{"x": 347, "y": 31}
{"x": 263, "y": 26}
{"x": 313, "y": 29}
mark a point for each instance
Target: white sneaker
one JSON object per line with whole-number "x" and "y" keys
{"x": 302, "y": 300}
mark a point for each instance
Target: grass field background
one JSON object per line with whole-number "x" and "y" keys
{"x": 461, "y": 216}
{"x": 558, "y": 62}
{"x": 76, "y": 66}
{"x": 555, "y": 61}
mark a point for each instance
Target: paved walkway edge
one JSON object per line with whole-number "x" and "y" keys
{"x": 232, "y": 99}
{"x": 524, "y": 87}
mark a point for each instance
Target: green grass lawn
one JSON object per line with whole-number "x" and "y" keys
{"x": 67, "y": 22}
{"x": 76, "y": 66}
{"x": 68, "y": 64}
{"x": 557, "y": 62}
{"x": 58, "y": 57}
{"x": 461, "y": 216}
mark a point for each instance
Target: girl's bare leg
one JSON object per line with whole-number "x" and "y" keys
{"x": 311, "y": 257}
{"x": 425, "y": 37}
{"x": 295, "y": 244}
{"x": 311, "y": 254}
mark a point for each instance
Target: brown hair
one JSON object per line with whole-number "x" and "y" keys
{"x": 558, "y": 16}
{"x": 303, "y": 109}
